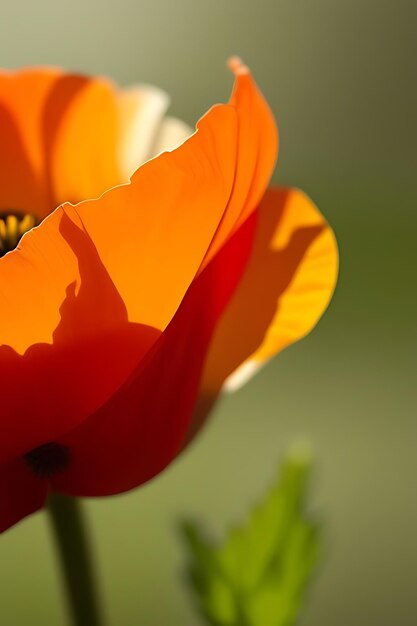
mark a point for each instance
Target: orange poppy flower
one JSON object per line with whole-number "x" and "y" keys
{"x": 123, "y": 315}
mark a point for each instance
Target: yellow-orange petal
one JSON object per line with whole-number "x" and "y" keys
{"x": 86, "y": 294}
{"x": 23, "y": 97}
{"x": 84, "y": 159}
{"x": 257, "y": 149}
{"x": 167, "y": 218}
{"x": 145, "y": 242}
{"x": 142, "y": 427}
{"x": 68, "y": 137}
{"x": 56, "y": 383}
{"x": 60, "y": 139}
{"x": 287, "y": 286}
{"x": 150, "y": 234}
{"x": 105, "y": 135}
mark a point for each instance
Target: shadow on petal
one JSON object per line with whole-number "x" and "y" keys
{"x": 141, "y": 428}
{"x": 258, "y": 301}
{"x": 51, "y": 388}
{"x": 20, "y": 189}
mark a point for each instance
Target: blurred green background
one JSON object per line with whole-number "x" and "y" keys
{"x": 341, "y": 79}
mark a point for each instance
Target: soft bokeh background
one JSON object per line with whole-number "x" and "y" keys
{"x": 341, "y": 78}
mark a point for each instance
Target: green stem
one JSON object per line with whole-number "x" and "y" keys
{"x": 71, "y": 539}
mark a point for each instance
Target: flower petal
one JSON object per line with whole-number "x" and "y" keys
{"x": 70, "y": 137}
{"x": 286, "y": 288}
{"x": 142, "y": 110}
{"x": 21, "y": 493}
{"x": 166, "y": 218}
{"x": 141, "y": 429}
{"x": 84, "y": 116}
{"x": 104, "y": 137}
{"x": 62, "y": 135}
{"x": 22, "y": 158}
{"x": 257, "y": 146}
{"x": 55, "y": 383}
{"x": 87, "y": 293}
{"x": 171, "y": 133}
{"x": 136, "y": 434}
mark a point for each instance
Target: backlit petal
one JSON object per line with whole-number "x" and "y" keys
{"x": 70, "y": 292}
{"x": 60, "y": 139}
{"x": 68, "y": 137}
{"x": 23, "y": 98}
{"x": 84, "y": 157}
{"x": 171, "y": 133}
{"x": 109, "y": 306}
{"x": 56, "y": 289}
{"x": 287, "y": 286}
{"x": 166, "y": 218}
{"x": 257, "y": 146}
{"x": 142, "y": 109}
{"x": 142, "y": 427}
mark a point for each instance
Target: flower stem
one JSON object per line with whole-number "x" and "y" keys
{"x": 71, "y": 540}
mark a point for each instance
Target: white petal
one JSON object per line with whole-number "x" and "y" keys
{"x": 142, "y": 109}
{"x": 172, "y": 133}
{"x": 241, "y": 376}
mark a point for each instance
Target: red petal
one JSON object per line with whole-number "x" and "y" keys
{"x": 286, "y": 288}
{"x": 99, "y": 278}
{"x": 21, "y": 493}
{"x": 51, "y": 387}
{"x": 141, "y": 429}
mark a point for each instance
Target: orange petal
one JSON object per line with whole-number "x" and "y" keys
{"x": 70, "y": 137}
{"x": 287, "y": 286}
{"x": 257, "y": 149}
{"x": 62, "y": 136}
{"x": 70, "y": 292}
{"x": 57, "y": 294}
{"x": 142, "y": 427}
{"x": 23, "y": 96}
{"x": 162, "y": 224}
{"x": 84, "y": 159}
{"x": 87, "y": 294}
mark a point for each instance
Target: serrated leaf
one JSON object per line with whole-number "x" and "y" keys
{"x": 259, "y": 575}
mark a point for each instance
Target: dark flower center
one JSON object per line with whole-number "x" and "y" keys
{"x": 13, "y": 225}
{"x": 48, "y": 459}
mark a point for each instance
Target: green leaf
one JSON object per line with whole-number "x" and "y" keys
{"x": 259, "y": 575}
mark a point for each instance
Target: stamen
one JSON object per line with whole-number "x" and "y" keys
{"x": 12, "y": 227}
{"x": 48, "y": 459}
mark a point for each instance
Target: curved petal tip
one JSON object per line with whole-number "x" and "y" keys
{"x": 236, "y": 65}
